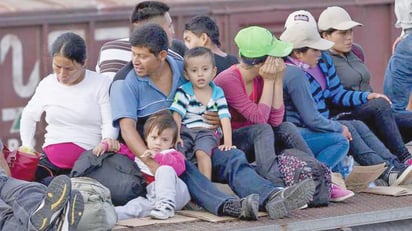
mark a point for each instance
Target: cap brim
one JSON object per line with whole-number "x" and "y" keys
{"x": 280, "y": 48}
{"x": 322, "y": 45}
{"x": 347, "y": 25}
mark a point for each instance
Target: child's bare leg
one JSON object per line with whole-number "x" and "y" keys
{"x": 204, "y": 163}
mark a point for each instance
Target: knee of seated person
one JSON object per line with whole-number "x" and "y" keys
{"x": 380, "y": 104}
{"x": 286, "y": 127}
{"x": 264, "y": 129}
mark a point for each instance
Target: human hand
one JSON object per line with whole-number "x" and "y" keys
{"x": 212, "y": 118}
{"x": 179, "y": 141}
{"x": 26, "y": 149}
{"x": 148, "y": 154}
{"x": 99, "y": 149}
{"x": 226, "y": 147}
{"x": 395, "y": 43}
{"x": 272, "y": 69}
{"x": 112, "y": 144}
{"x": 378, "y": 95}
{"x": 346, "y": 133}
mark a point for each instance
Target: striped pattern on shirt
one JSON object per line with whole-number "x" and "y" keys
{"x": 334, "y": 92}
{"x": 191, "y": 110}
{"x": 116, "y": 54}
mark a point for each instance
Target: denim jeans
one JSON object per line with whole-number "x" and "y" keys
{"x": 288, "y": 136}
{"x": 228, "y": 167}
{"x": 256, "y": 141}
{"x": 367, "y": 149}
{"x": 397, "y": 84}
{"x": 329, "y": 147}
{"x": 404, "y": 122}
{"x": 378, "y": 115}
{"x": 18, "y": 200}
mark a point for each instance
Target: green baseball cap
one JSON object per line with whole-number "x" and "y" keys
{"x": 255, "y": 41}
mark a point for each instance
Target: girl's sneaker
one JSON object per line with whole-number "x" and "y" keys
{"x": 163, "y": 210}
{"x": 339, "y": 194}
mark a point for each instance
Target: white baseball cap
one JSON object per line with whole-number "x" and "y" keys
{"x": 305, "y": 35}
{"x": 336, "y": 17}
{"x": 300, "y": 16}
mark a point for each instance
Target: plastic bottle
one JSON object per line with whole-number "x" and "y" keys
{"x": 347, "y": 166}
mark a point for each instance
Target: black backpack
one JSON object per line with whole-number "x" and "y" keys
{"x": 117, "y": 172}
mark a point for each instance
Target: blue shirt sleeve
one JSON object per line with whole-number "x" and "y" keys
{"x": 123, "y": 104}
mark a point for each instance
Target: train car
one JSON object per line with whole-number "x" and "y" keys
{"x": 28, "y": 27}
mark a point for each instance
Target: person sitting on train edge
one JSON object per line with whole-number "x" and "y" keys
{"x": 149, "y": 87}
{"x": 116, "y": 54}
{"x": 77, "y": 107}
{"x": 336, "y": 25}
{"x": 203, "y": 31}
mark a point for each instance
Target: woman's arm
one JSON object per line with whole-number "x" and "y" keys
{"x": 227, "y": 134}
{"x": 278, "y": 110}
{"x": 302, "y": 103}
{"x": 108, "y": 130}
{"x": 31, "y": 115}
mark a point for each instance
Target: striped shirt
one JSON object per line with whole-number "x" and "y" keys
{"x": 334, "y": 92}
{"x": 191, "y": 110}
{"x": 116, "y": 54}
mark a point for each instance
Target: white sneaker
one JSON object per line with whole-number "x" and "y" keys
{"x": 163, "y": 210}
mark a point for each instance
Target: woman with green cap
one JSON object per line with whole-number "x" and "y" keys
{"x": 253, "y": 90}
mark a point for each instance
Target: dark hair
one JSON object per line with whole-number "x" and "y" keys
{"x": 328, "y": 31}
{"x": 196, "y": 52}
{"x": 148, "y": 10}
{"x": 71, "y": 46}
{"x": 302, "y": 49}
{"x": 161, "y": 120}
{"x": 253, "y": 61}
{"x": 151, "y": 36}
{"x": 204, "y": 24}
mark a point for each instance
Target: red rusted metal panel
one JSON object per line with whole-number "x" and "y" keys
{"x": 28, "y": 27}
